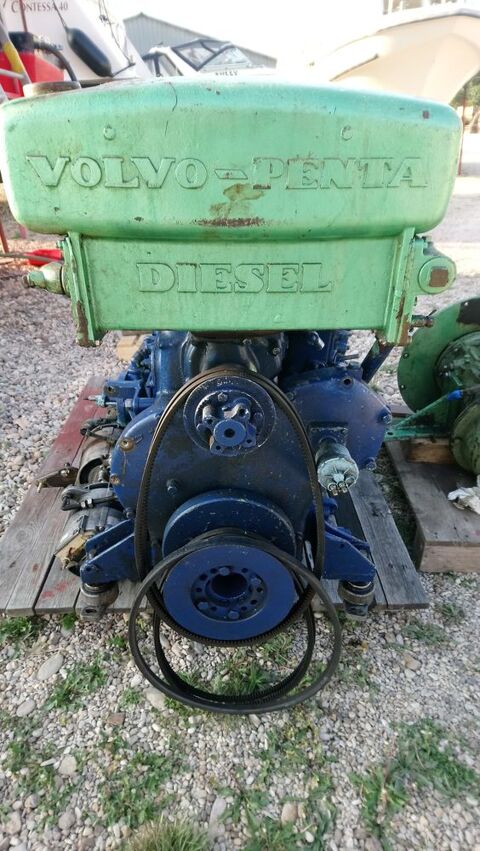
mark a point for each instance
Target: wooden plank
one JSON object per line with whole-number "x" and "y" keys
{"x": 426, "y": 451}
{"x": 128, "y": 345}
{"x": 29, "y": 527}
{"x": 447, "y": 539}
{"x": 60, "y": 591}
{"x": 26, "y": 548}
{"x": 399, "y": 409}
{"x": 445, "y": 559}
{"x": 33, "y": 572}
{"x": 397, "y": 575}
{"x": 126, "y": 595}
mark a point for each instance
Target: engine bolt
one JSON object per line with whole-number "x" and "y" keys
{"x": 222, "y": 397}
{"x": 172, "y": 487}
{"x": 115, "y": 480}
{"x": 386, "y": 418}
{"x": 370, "y": 464}
{"x": 233, "y": 615}
{"x": 127, "y": 443}
{"x": 203, "y": 606}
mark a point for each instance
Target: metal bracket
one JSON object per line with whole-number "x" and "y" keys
{"x": 434, "y": 420}
{"x": 66, "y": 475}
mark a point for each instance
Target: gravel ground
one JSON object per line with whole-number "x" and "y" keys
{"x": 88, "y": 751}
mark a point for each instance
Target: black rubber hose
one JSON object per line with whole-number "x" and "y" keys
{"x": 293, "y": 679}
{"x": 263, "y": 695}
{"x": 141, "y": 535}
{"x": 50, "y": 48}
{"x": 196, "y": 698}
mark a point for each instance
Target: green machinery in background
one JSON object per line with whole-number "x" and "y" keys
{"x": 439, "y": 378}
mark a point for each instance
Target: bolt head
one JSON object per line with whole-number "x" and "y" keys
{"x": 172, "y": 487}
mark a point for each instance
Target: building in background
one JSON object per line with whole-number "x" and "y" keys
{"x": 145, "y": 31}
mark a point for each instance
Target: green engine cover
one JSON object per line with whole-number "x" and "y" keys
{"x": 220, "y": 205}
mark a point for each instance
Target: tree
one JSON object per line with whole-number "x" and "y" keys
{"x": 470, "y": 96}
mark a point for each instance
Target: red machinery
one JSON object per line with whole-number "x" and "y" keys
{"x": 20, "y": 63}
{"x": 37, "y": 68}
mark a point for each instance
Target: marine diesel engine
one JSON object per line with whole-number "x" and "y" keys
{"x": 253, "y": 225}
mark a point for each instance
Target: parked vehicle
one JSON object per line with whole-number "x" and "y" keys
{"x": 201, "y": 56}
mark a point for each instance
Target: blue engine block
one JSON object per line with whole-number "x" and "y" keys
{"x": 228, "y": 460}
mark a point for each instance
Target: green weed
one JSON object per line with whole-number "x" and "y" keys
{"x": 113, "y": 742}
{"x": 118, "y": 642}
{"x": 428, "y": 633}
{"x": 292, "y": 748}
{"x": 69, "y": 620}
{"x": 123, "y": 799}
{"x": 80, "y": 681}
{"x": 354, "y": 670}
{"x": 451, "y": 612}
{"x": 268, "y": 834}
{"x": 130, "y": 697}
{"x": 163, "y": 835}
{"x": 278, "y": 649}
{"x": 26, "y": 758}
{"x": 423, "y": 758}
{"x": 16, "y": 631}
{"x": 237, "y": 678}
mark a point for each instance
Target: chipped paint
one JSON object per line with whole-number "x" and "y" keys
{"x": 223, "y": 222}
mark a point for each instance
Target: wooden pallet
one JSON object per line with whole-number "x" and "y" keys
{"x": 32, "y": 581}
{"x": 128, "y": 344}
{"x": 447, "y": 539}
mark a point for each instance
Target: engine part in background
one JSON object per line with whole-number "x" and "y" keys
{"x": 465, "y": 440}
{"x": 417, "y": 368}
{"x": 439, "y": 378}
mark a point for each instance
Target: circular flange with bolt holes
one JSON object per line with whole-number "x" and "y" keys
{"x": 417, "y": 378}
{"x": 229, "y": 416}
{"x": 229, "y": 591}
